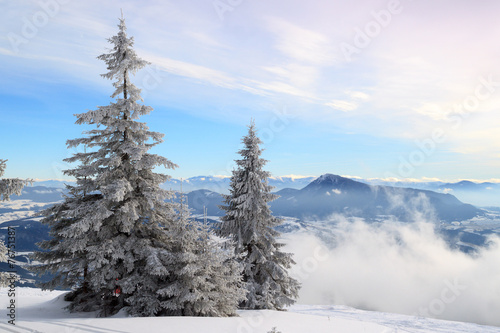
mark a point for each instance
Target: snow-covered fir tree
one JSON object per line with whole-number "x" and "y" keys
{"x": 249, "y": 222}
{"x": 204, "y": 279}
{"x": 109, "y": 234}
{"x": 8, "y": 187}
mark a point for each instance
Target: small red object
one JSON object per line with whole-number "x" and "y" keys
{"x": 118, "y": 290}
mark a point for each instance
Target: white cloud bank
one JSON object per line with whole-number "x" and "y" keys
{"x": 402, "y": 268}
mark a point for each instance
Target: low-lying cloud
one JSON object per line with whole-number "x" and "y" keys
{"x": 395, "y": 267}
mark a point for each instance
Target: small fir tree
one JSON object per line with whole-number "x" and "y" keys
{"x": 10, "y": 186}
{"x": 248, "y": 221}
{"x": 204, "y": 279}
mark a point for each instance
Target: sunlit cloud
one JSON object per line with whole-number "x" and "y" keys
{"x": 343, "y": 106}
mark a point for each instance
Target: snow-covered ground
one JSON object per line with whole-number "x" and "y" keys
{"x": 20, "y": 209}
{"x": 43, "y": 311}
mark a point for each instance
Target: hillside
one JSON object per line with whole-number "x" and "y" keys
{"x": 42, "y": 311}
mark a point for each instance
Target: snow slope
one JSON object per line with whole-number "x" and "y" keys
{"x": 42, "y": 311}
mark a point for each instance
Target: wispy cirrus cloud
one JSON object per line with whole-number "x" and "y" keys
{"x": 404, "y": 84}
{"x": 302, "y": 44}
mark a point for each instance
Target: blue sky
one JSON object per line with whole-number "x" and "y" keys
{"x": 375, "y": 89}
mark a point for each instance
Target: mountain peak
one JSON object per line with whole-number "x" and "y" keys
{"x": 330, "y": 178}
{"x": 330, "y": 181}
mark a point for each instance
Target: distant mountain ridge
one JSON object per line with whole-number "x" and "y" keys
{"x": 479, "y": 194}
{"x": 218, "y": 184}
{"x": 298, "y": 182}
{"x": 331, "y": 194}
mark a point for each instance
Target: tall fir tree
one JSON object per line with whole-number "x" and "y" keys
{"x": 109, "y": 233}
{"x": 248, "y": 221}
{"x": 8, "y": 187}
